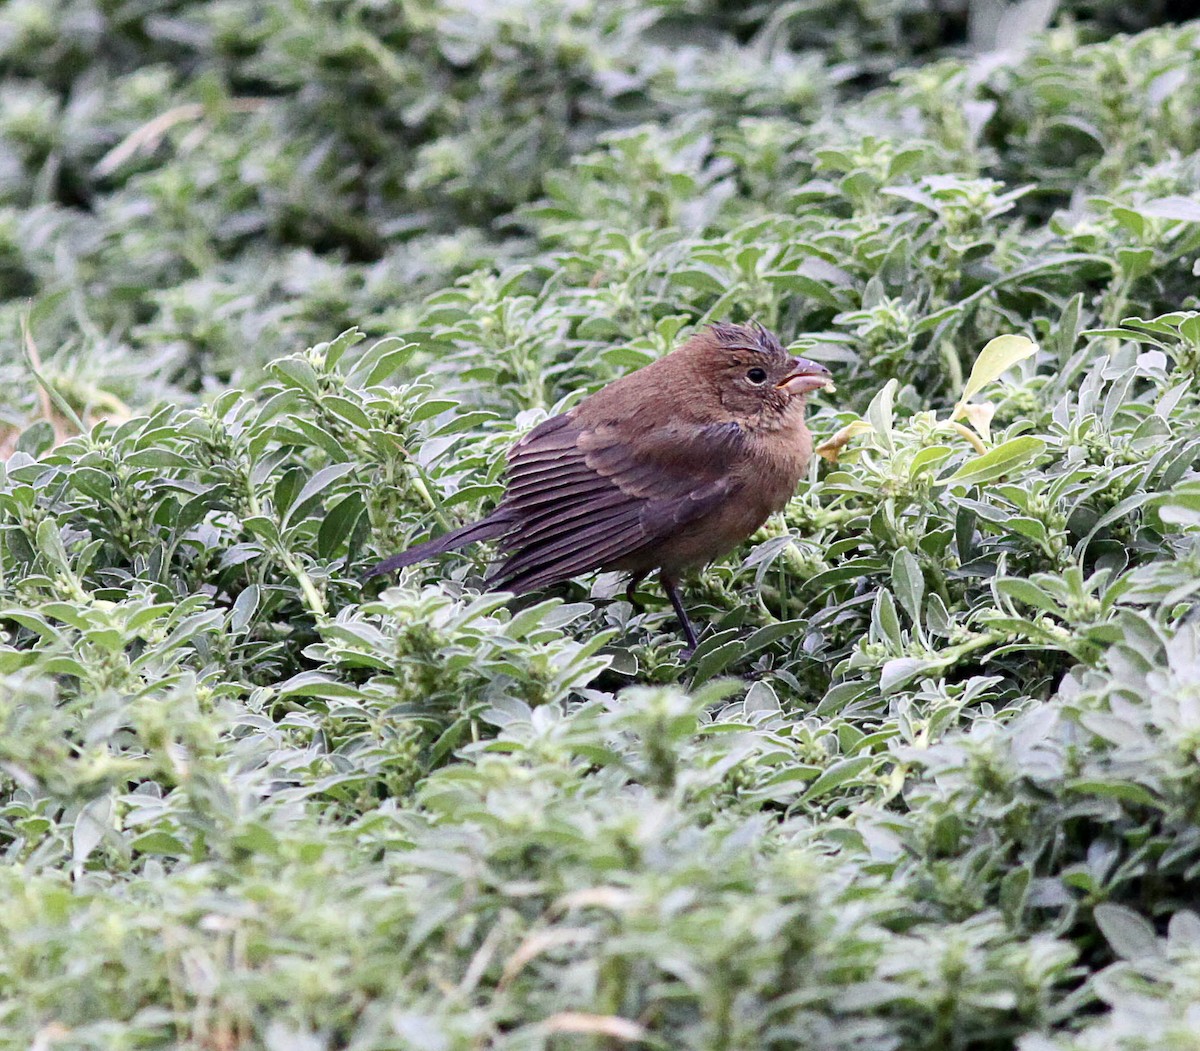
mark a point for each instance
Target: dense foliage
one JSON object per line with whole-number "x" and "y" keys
{"x": 931, "y": 781}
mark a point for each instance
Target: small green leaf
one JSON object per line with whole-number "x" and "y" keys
{"x": 315, "y": 486}
{"x": 900, "y": 671}
{"x": 1029, "y": 593}
{"x": 785, "y": 629}
{"x": 244, "y": 609}
{"x": 879, "y": 413}
{"x": 908, "y": 583}
{"x": 378, "y": 363}
{"x": 339, "y": 525}
{"x": 93, "y": 821}
{"x": 298, "y": 373}
{"x": 94, "y": 484}
{"x": 997, "y": 357}
{"x": 159, "y": 458}
{"x": 885, "y": 620}
{"x": 159, "y": 843}
{"x": 433, "y": 407}
{"x": 1129, "y": 934}
{"x": 1181, "y": 209}
{"x": 333, "y": 350}
{"x": 837, "y": 775}
{"x": 1126, "y": 791}
{"x": 714, "y": 655}
{"x": 997, "y": 462}
{"x": 347, "y": 410}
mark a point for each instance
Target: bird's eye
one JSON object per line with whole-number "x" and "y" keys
{"x": 757, "y": 376}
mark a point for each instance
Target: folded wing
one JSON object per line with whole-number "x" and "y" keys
{"x": 582, "y": 497}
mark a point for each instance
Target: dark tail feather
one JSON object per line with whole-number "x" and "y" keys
{"x": 487, "y": 529}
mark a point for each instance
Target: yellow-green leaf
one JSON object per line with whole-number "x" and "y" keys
{"x": 980, "y": 417}
{"x": 996, "y": 358}
{"x": 831, "y": 448}
{"x": 998, "y": 461}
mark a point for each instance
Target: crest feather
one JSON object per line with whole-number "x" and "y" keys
{"x": 746, "y": 337}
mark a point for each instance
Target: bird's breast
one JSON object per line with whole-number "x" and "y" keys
{"x": 777, "y": 461}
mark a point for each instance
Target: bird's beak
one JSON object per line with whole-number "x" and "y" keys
{"x": 805, "y": 376}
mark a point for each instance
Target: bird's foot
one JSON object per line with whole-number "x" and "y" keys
{"x": 689, "y": 633}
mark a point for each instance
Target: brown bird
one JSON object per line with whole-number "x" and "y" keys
{"x": 667, "y": 468}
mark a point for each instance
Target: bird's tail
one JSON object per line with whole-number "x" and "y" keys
{"x": 489, "y": 528}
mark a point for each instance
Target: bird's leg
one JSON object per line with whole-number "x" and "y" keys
{"x": 634, "y": 581}
{"x": 689, "y": 632}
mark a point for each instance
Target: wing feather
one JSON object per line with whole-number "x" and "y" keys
{"x": 583, "y": 497}
{"x": 573, "y": 543}
{"x": 559, "y": 474}
{"x": 576, "y": 490}
{"x": 538, "y": 568}
{"x": 572, "y": 515}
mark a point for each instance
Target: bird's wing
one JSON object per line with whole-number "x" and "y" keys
{"x": 584, "y": 497}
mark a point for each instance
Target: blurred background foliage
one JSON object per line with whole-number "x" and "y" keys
{"x": 930, "y": 780}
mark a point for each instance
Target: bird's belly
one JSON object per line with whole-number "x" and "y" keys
{"x": 701, "y": 541}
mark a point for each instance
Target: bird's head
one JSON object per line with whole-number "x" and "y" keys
{"x": 751, "y": 374}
